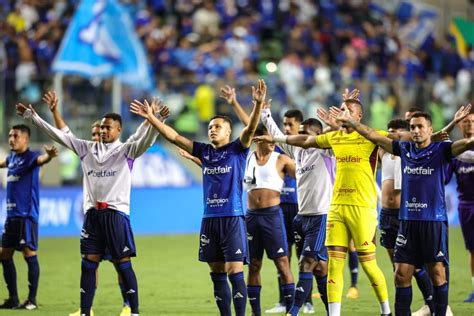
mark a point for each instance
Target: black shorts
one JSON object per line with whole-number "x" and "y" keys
{"x": 20, "y": 232}
{"x": 310, "y": 235}
{"x": 266, "y": 232}
{"x": 290, "y": 210}
{"x": 107, "y": 233}
{"x": 389, "y": 225}
{"x": 421, "y": 242}
{"x": 223, "y": 239}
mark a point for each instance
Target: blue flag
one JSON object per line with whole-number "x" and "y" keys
{"x": 101, "y": 42}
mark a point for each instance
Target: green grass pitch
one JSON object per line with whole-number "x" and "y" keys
{"x": 173, "y": 282}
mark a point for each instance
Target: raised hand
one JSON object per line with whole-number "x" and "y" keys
{"x": 462, "y": 113}
{"x": 267, "y": 104}
{"x": 441, "y": 136}
{"x": 164, "y": 112}
{"x": 354, "y": 94}
{"x": 259, "y": 93}
{"x": 263, "y": 139}
{"x": 228, "y": 93}
{"x": 21, "y": 108}
{"x": 344, "y": 115}
{"x": 51, "y": 151}
{"x": 334, "y": 112}
{"x": 185, "y": 154}
{"x": 328, "y": 119}
{"x": 51, "y": 100}
{"x": 144, "y": 109}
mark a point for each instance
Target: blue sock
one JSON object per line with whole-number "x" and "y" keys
{"x": 221, "y": 292}
{"x": 280, "y": 292}
{"x": 354, "y": 266}
{"x": 124, "y": 294}
{"x": 403, "y": 297}
{"x": 9, "y": 274}
{"x": 33, "y": 277}
{"x": 131, "y": 284}
{"x": 303, "y": 289}
{"x": 440, "y": 299}
{"x": 426, "y": 287}
{"x": 253, "y": 292}
{"x": 322, "y": 288}
{"x": 288, "y": 291}
{"x": 309, "y": 297}
{"x": 88, "y": 281}
{"x": 239, "y": 293}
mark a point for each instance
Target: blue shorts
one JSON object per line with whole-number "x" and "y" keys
{"x": 466, "y": 218}
{"x": 388, "y": 225}
{"x": 223, "y": 239}
{"x": 20, "y": 232}
{"x": 266, "y": 231}
{"x": 310, "y": 235}
{"x": 290, "y": 210}
{"x": 421, "y": 242}
{"x": 107, "y": 233}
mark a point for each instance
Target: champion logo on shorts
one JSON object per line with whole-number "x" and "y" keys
{"x": 238, "y": 252}
{"x": 280, "y": 250}
{"x": 307, "y": 248}
{"x": 440, "y": 254}
{"x": 125, "y": 249}
{"x": 238, "y": 295}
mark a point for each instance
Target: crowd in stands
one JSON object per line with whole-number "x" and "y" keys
{"x": 316, "y": 47}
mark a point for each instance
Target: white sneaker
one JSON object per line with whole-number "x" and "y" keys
{"x": 449, "y": 312}
{"x": 278, "y": 309}
{"x": 308, "y": 308}
{"x": 423, "y": 311}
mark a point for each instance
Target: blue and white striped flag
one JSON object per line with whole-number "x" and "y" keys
{"x": 101, "y": 42}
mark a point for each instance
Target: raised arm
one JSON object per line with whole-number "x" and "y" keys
{"x": 79, "y": 146}
{"x": 188, "y": 156}
{"x": 458, "y": 117}
{"x": 162, "y": 112}
{"x": 371, "y": 134}
{"x": 329, "y": 118}
{"x": 50, "y": 153}
{"x": 228, "y": 93}
{"x": 460, "y": 146}
{"x": 258, "y": 95}
{"x": 304, "y": 141}
{"x": 145, "y": 110}
{"x": 52, "y": 101}
{"x": 274, "y": 131}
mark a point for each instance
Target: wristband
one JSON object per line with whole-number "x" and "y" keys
{"x": 280, "y": 139}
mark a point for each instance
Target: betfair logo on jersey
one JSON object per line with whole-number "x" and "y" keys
{"x": 418, "y": 170}
{"x": 301, "y": 171}
{"x": 217, "y": 170}
{"x": 101, "y": 173}
{"x": 464, "y": 170}
{"x": 349, "y": 158}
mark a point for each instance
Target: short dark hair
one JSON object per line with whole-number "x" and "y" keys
{"x": 294, "y": 113}
{"x": 261, "y": 130}
{"x": 415, "y": 109}
{"x": 113, "y": 116}
{"x": 224, "y": 117}
{"x": 313, "y": 123}
{"x": 398, "y": 123}
{"x": 23, "y": 128}
{"x": 425, "y": 115}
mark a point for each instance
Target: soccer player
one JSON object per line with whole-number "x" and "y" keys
{"x": 465, "y": 179}
{"x": 223, "y": 242}
{"x": 264, "y": 177}
{"x": 314, "y": 178}
{"x": 50, "y": 98}
{"x": 107, "y": 174}
{"x": 352, "y": 212}
{"x": 21, "y": 225}
{"x": 422, "y": 237}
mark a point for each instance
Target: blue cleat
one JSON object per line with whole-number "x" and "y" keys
{"x": 470, "y": 298}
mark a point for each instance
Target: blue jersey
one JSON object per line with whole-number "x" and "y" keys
{"x": 423, "y": 178}
{"x": 23, "y": 185}
{"x": 223, "y": 174}
{"x": 288, "y": 192}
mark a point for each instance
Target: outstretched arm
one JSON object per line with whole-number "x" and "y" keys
{"x": 258, "y": 96}
{"x": 460, "y": 146}
{"x": 188, "y": 156}
{"x": 304, "y": 141}
{"x": 50, "y": 153}
{"x": 371, "y": 134}
{"x": 145, "y": 110}
{"x": 162, "y": 112}
{"x": 228, "y": 93}
{"x": 52, "y": 101}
